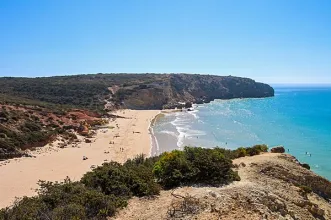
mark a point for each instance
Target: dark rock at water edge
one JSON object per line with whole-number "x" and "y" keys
{"x": 279, "y": 149}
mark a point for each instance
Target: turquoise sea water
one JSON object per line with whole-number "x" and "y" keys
{"x": 298, "y": 118}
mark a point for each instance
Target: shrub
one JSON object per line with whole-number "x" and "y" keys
{"x": 173, "y": 169}
{"x": 240, "y": 152}
{"x": 194, "y": 165}
{"x": 67, "y": 200}
{"x": 256, "y": 150}
{"x": 305, "y": 189}
{"x": 7, "y": 144}
{"x": 27, "y": 208}
{"x": 123, "y": 180}
{"x": 210, "y": 166}
{"x": 69, "y": 211}
{"x": 31, "y": 126}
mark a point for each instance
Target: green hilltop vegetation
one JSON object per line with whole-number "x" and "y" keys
{"x": 135, "y": 91}
{"x": 107, "y": 188}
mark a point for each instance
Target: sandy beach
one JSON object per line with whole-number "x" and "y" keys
{"x": 130, "y": 137}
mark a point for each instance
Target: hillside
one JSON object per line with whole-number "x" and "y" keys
{"x": 134, "y": 91}
{"x": 26, "y": 127}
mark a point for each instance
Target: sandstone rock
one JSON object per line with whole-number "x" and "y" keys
{"x": 213, "y": 194}
{"x": 316, "y": 211}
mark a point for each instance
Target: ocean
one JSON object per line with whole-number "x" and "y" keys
{"x": 298, "y": 118}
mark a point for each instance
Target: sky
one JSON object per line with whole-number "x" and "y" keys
{"x": 272, "y": 41}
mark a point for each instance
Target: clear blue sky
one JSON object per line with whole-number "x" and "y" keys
{"x": 273, "y": 41}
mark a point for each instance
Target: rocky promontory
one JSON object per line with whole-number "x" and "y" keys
{"x": 178, "y": 89}
{"x": 133, "y": 91}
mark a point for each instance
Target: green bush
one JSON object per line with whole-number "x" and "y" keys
{"x": 173, "y": 169}
{"x": 31, "y": 126}
{"x": 69, "y": 211}
{"x": 305, "y": 189}
{"x": 67, "y": 200}
{"x": 240, "y": 152}
{"x": 256, "y": 150}
{"x": 134, "y": 178}
{"x": 194, "y": 165}
{"x": 210, "y": 166}
{"x": 27, "y": 208}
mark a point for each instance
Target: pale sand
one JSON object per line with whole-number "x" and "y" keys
{"x": 19, "y": 177}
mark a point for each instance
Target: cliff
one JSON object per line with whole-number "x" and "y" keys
{"x": 135, "y": 91}
{"x": 272, "y": 186}
{"x": 182, "y": 88}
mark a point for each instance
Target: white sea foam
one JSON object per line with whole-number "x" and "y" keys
{"x": 169, "y": 132}
{"x": 194, "y": 113}
{"x": 182, "y": 124}
{"x": 154, "y": 140}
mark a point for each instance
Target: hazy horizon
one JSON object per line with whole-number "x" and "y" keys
{"x": 274, "y": 42}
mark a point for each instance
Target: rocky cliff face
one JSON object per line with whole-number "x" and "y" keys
{"x": 179, "y": 88}
{"x": 135, "y": 91}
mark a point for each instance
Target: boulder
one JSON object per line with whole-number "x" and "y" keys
{"x": 305, "y": 165}
{"x": 316, "y": 211}
{"x": 279, "y": 149}
{"x": 87, "y": 140}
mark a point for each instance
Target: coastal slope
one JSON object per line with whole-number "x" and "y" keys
{"x": 133, "y": 91}
{"x": 272, "y": 186}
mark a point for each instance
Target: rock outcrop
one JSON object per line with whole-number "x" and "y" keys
{"x": 279, "y": 149}
{"x": 176, "y": 89}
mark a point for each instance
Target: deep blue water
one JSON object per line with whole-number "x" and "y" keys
{"x": 297, "y": 118}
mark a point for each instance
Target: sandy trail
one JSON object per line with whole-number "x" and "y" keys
{"x": 19, "y": 177}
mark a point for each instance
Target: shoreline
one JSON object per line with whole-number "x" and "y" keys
{"x": 155, "y": 147}
{"x": 171, "y": 138}
{"x": 123, "y": 138}
{"x": 153, "y": 142}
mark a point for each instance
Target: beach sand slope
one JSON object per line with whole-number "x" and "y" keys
{"x": 129, "y": 137}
